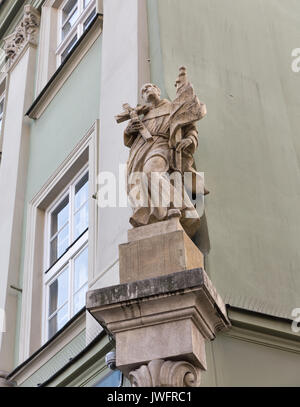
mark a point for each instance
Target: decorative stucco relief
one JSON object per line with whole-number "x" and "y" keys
{"x": 26, "y": 32}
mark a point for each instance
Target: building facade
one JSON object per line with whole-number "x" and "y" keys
{"x": 67, "y": 66}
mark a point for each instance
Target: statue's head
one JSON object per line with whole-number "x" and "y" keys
{"x": 150, "y": 92}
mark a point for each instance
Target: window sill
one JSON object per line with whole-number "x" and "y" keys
{"x": 66, "y": 68}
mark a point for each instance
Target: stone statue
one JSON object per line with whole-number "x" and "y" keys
{"x": 162, "y": 137}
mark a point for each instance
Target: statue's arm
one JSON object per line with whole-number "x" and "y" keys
{"x": 131, "y": 131}
{"x": 128, "y": 139}
{"x": 190, "y": 133}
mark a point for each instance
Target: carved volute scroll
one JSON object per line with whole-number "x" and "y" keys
{"x": 26, "y": 32}
{"x": 161, "y": 373}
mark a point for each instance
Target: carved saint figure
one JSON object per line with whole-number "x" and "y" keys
{"x": 162, "y": 143}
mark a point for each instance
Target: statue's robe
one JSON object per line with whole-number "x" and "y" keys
{"x": 157, "y": 121}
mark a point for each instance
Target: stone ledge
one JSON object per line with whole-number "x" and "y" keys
{"x": 178, "y": 283}
{"x": 166, "y": 284}
{"x": 167, "y": 317}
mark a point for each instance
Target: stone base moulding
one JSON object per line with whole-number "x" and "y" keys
{"x": 163, "y": 318}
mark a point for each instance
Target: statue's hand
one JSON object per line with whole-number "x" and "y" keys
{"x": 183, "y": 144}
{"x": 134, "y": 127}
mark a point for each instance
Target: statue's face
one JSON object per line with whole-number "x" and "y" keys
{"x": 150, "y": 93}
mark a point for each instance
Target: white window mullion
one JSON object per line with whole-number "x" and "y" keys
{"x": 59, "y": 25}
{"x": 71, "y": 288}
{"x": 46, "y": 312}
{"x": 80, "y": 6}
{"x": 80, "y": 29}
{"x": 71, "y": 219}
{"x": 71, "y": 260}
{"x": 47, "y": 240}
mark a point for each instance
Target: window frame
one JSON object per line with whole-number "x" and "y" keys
{"x": 77, "y": 30}
{"x": 76, "y": 246}
{"x": 85, "y": 152}
{"x": 2, "y": 99}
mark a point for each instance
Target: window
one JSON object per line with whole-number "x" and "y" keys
{"x": 75, "y": 16}
{"x": 66, "y": 276}
{"x": 39, "y": 271}
{"x": 112, "y": 379}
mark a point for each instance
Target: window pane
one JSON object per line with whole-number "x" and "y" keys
{"x": 59, "y": 244}
{"x": 86, "y": 2}
{"x": 70, "y": 22}
{"x": 60, "y": 216}
{"x": 58, "y": 321}
{"x": 81, "y": 269}
{"x": 111, "y": 380}
{"x": 81, "y": 220}
{"x": 81, "y": 191}
{"x": 79, "y": 299}
{"x": 68, "y": 49}
{"x": 69, "y": 9}
{"x": 89, "y": 20}
{"x": 1, "y": 106}
{"x": 58, "y": 292}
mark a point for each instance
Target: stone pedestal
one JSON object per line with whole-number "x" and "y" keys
{"x": 158, "y": 249}
{"x": 166, "y": 319}
{"x": 164, "y": 309}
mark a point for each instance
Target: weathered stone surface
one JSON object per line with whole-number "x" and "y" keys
{"x": 165, "y": 249}
{"x": 165, "y": 373}
{"x": 178, "y": 339}
{"x": 143, "y": 232}
{"x": 136, "y": 290}
{"x": 168, "y": 317}
{"x": 162, "y": 137}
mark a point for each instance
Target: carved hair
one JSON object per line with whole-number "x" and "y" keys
{"x": 143, "y": 88}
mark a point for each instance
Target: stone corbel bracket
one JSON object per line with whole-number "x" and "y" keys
{"x": 166, "y": 319}
{"x": 25, "y": 33}
{"x": 161, "y": 373}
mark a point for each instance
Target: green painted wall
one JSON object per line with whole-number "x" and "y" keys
{"x": 238, "y": 55}
{"x": 233, "y": 362}
{"x": 66, "y": 120}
